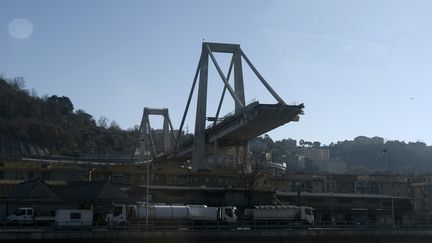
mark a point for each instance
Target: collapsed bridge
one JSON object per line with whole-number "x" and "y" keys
{"x": 226, "y": 137}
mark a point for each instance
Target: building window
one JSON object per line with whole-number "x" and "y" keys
{"x": 75, "y": 215}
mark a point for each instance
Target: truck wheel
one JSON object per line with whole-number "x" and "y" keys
{"x": 15, "y": 222}
{"x": 305, "y": 223}
{"x": 123, "y": 223}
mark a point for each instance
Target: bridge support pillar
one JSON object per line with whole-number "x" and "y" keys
{"x": 238, "y": 79}
{"x": 199, "y": 152}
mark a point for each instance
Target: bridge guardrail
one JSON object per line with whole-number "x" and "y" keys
{"x": 221, "y": 226}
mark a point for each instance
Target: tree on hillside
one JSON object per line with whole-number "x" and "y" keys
{"x": 50, "y": 122}
{"x": 102, "y": 122}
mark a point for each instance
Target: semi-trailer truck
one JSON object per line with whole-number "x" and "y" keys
{"x": 300, "y": 214}
{"x": 125, "y": 214}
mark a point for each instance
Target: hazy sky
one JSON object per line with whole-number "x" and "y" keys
{"x": 360, "y": 67}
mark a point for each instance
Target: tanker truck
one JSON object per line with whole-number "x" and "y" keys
{"x": 124, "y": 214}
{"x": 290, "y": 214}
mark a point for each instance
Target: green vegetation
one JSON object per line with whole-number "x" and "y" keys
{"x": 51, "y": 125}
{"x": 361, "y": 154}
{"x": 368, "y": 152}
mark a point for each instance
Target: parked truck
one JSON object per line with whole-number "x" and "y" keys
{"x": 293, "y": 214}
{"x": 28, "y": 215}
{"x": 125, "y": 214}
{"x": 60, "y": 217}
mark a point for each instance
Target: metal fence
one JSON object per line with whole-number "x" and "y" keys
{"x": 220, "y": 226}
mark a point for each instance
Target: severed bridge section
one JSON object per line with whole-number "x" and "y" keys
{"x": 224, "y": 139}
{"x": 252, "y": 121}
{"x": 235, "y": 130}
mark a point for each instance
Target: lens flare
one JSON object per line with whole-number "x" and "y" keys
{"x": 20, "y": 29}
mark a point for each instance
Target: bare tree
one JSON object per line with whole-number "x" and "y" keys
{"x": 253, "y": 176}
{"x": 102, "y": 122}
{"x": 114, "y": 125}
{"x": 17, "y": 83}
{"x": 33, "y": 93}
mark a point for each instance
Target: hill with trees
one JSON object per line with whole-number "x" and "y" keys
{"x": 368, "y": 152}
{"x": 50, "y": 125}
{"x": 361, "y": 154}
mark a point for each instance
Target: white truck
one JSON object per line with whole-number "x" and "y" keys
{"x": 27, "y": 215}
{"x": 61, "y": 217}
{"x": 125, "y": 214}
{"x": 294, "y": 214}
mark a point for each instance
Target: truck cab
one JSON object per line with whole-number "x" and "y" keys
{"x": 307, "y": 215}
{"x": 228, "y": 214}
{"x": 23, "y": 215}
{"x": 118, "y": 215}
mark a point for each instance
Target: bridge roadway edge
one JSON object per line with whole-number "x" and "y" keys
{"x": 250, "y": 236}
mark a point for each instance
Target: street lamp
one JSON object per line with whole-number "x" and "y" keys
{"x": 391, "y": 184}
{"x": 147, "y": 188}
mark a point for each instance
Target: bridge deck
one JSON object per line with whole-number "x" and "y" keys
{"x": 254, "y": 120}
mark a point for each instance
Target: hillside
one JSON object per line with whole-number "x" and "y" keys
{"x": 361, "y": 153}
{"x": 50, "y": 125}
{"x": 368, "y": 152}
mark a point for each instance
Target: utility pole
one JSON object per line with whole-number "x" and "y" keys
{"x": 147, "y": 192}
